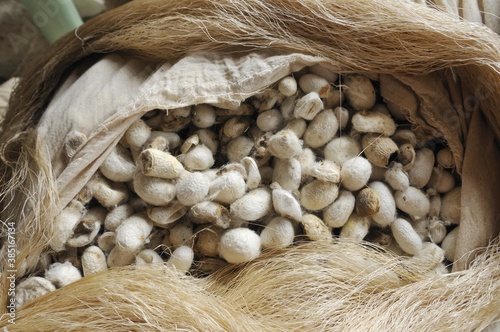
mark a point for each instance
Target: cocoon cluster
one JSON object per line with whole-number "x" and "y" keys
{"x": 309, "y": 157}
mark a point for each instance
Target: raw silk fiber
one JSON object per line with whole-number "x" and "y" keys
{"x": 448, "y": 71}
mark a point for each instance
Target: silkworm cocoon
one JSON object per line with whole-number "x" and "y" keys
{"x": 334, "y": 99}
{"x": 210, "y": 212}
{"x": 62, "y": 274}
{"x": 189, "y": 143}
{"x": 279, "y": 233}
{"x": 284, "y": 144}
{"x": 308, "y": 106}
{"x": 236, "y": 167}
{"x": 407, "y": 156}
{"x": 315, "y": 229}
{"x": 153, "y": 190}
{"x": 441, "y": 180}
{"x": 445, "y": 158}
{"x": 87, "y": 228}
{"x": 93, "y": 261}
{"x": 367, "y": 202}
{"x": 116, "y": 216}
{"x": 253, "y": 205}
{"x": 313, "y": 83}
{"x": 337, "y": 213}
{"x": 318, "y": 194}
{"x": 203, "y": 116}
{"x": 192, "y": 188}
{"x": 253, "y": 173}
{"x": 148, "y": 256}
{"x": 287, "y": 173}
{"x": 209, "y": 139}
{"x": 325, "y": 170}
{"x": 342, "y": 115}
{"x": 448, "y": 245}
{"x": 137, "y": 134}
{"x": 403, "y": 136}
{"x": 64, "y": 224}
{"x": 285, "y": 204}
{"x": 412, "y": 201}
{"x": 181, "y": 234}
{"x": 437, "y": 230}
{"x": 321, "y": 129}
{"x": 173, "y": 139}
{"x": 162, "y": 216}
{"x": 396, "y": 177}
{"x": 451, "y": 206}
{"x": 108, "y": 194}
{"x": 72, "y": 142}
{"x": 435, "y": 205}
{"x": 227, "y": 188}
{"x": 405, "y": 236}
{"x": 132, "y": 233}
{"x": 297, "y": 125}
{"x": 271, "y": 120}
{"x": 421, "y": 171}
{"x": 373, "y": 122}
{"x": 107, "y": 241}
{"x": 238, "y": 148}
{"x": 355, "y": 173}
{"x": 236, "y": 126}
{"x": 181, "y": 259}
{"x": 160, "y": 164}
{"x": 118, "y": 165}
{"x": 359, "y": 91}
{"x": 239, "y": 245}
{"x": 356, "y": 228}
{"x": 287, "y": 86}
{"x": 379, "y": 150}
{"x": 31, "y": 289}
{"x": 198, "y": 158}
{"x": 341, "y": 149}
{"x": 387, "y": 212}
{"x": 119, "y": 256}
{"x": 321, "y": 71}
{"x": 207, "y": 241}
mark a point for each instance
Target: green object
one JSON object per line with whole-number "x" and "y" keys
{"x": 54, "y": 18}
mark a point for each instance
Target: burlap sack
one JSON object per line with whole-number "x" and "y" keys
{"x": 232, "y": 51}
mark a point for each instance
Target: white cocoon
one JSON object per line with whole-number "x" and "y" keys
{"x": 239, "y": 245}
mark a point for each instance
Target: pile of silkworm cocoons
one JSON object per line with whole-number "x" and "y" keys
{"x": 313, "y": 157}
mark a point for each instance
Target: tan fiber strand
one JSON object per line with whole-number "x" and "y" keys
{"x": 313, "y": 286}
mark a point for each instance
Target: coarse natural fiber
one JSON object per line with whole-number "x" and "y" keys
{"x": 312, "y": 287}
{"x": 304, "y": 288}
